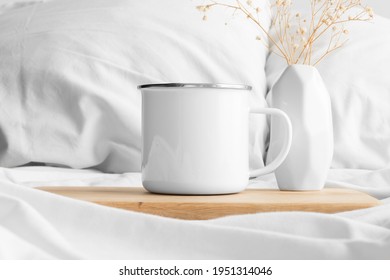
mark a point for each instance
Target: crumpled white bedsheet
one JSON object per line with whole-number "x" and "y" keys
{"x": 40, "y": 225}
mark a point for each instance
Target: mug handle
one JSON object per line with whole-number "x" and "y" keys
{"x": 286, "y": 144}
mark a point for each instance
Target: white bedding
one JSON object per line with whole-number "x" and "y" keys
{"x": 39, "y": 225}
{"x": 70, "y": 70}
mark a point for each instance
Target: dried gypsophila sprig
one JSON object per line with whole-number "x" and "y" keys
{"x": 293, "y": 36}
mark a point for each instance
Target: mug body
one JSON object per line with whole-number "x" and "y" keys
{"x": 195, "y": 138}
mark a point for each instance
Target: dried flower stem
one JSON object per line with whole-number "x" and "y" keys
{"x": 294, "y": 37}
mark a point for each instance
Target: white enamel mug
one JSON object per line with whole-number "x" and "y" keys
{"x": 195, "y": 138}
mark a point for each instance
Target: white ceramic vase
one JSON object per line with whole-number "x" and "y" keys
{"x": 301, "y": 93}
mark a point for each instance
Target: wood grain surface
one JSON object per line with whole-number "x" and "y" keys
{"x": 330, "y": 200}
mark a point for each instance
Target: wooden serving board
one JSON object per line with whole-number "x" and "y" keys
{"x": 329, "y": 200}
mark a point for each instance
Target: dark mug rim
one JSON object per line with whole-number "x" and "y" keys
{"x": 196, "y": 85}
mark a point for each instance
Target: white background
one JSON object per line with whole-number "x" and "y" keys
{"x": 381, "y": 7}
{"x": 281, "y": 270}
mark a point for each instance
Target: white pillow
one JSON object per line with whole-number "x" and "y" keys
{"x": 69, "y": 71}
{"x": 357, "y": 78}
{"x": 9, "y": 5}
